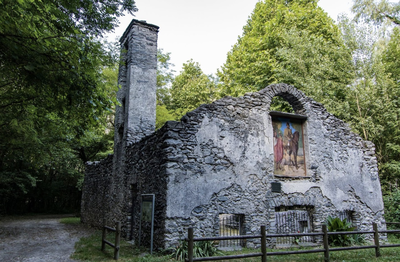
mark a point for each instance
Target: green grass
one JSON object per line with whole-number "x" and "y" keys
{"x": 88, "y": 249}
{"x": 387, "y": 254}
{"x": 70, "y": 220}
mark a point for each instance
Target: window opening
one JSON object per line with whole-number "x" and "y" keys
{"x": 278, "y": 103}
{"x": 231, "y": 225}
{"x": 348, "y": 215}
{"x": 294, "y": 219}
{"x": 122, "y": 127}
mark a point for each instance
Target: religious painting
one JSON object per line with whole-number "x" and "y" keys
{"x": 289, "y": 159}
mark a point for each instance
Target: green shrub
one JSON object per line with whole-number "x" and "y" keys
{"x": 337, "y": 225}
{"x": 392, "y": 207}
{"x": 180, "y": 252}
{"x": 200, "y": 249}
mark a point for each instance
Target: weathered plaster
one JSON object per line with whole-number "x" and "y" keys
{"x": 219, "y": 159}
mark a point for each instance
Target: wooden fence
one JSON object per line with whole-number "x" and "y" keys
{"x": 263, "y": 236}
{"x": 104, "y": 241}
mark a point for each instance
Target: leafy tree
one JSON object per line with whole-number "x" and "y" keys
{"x": 392, "y": 206}
{"x": 178, "y": 95}
{"x": 377, "y": 12}
{"x": 323, "y": 71}
{"x": 190, "y": 89}
{"x": 294, "y": 42}
{"x": 391, "y": 154}
{"x": 373, "y": 96}
{"x": 165, "y": 73}
{"x": 164, "y": 79}
{"x": 50, "y": 56}
{"x": 53, "y": 93}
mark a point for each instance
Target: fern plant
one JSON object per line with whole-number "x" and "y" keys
{"x": 337, "y": 225}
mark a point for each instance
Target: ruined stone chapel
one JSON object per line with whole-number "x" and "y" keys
{"x": 234, "y": 157}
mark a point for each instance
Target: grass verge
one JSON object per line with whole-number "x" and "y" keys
{"x": 88, "y": 249}
{"x": 70, "y": 220}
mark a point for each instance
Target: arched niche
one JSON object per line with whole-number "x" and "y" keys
{"x": 290, "y": 94}
{"x": 289, "y": 133}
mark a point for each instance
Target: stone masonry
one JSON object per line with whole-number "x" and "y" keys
{"x": 219, "y": 159}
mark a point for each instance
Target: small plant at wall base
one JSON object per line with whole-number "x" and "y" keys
{"x": 200, "y": 249}
{"x": 337, "y": 225}
{"x": 180, "y": 252}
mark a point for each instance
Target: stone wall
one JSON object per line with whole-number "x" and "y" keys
{"x": 97, "y": 192}
{"x": 219, "y": 159}
{"x": 145, "y": 173}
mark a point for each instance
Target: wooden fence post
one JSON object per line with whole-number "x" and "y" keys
{"x": 103, "y": 244}
{"x": 117, "y": 240}
{"x": 326, "y": 243}
{"x": 263, "y": 245}
{"x": 190, "y": 244}
{"x": 376, "y": 240}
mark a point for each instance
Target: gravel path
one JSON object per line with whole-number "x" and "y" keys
{"x": 39, "y": 238}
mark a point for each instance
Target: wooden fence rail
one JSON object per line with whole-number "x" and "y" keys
{"x": 104, "y": 241}
{"x": 263, "y": 236}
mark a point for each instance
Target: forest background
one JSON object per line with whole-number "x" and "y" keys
{"x": 58, "y": 80}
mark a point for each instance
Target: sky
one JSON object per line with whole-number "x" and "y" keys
{"x": 203, "y": 30}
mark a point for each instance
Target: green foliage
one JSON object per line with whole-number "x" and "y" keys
{"x": 163, "y": 115}
{"x": 164, "y": 79}
{"x": 338, "y": 225}
{"x": 55, "y": 98}
{"x": 373, "y": 96}
{"x": 188, "y": 90}
{"x": 391, "y": 201}
{"x": 205, "y": 249}
{"x": 200, "y": 249}
{"x": 165, "y": 74}
{"x": 70, "y": 220}
{"x": 390, "y": 142}
{"x": 89, "y": 249}
{"x": 322, "y": 70}
{"x": 358, "y": 239}
{"x": 181, "y": 251}
{"x": 380, "y": 12}
{"x": 191, "y": 88}
{"x": 293, "y": 42}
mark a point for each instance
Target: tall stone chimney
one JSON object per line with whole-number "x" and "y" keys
{"x": 135, "y": 118}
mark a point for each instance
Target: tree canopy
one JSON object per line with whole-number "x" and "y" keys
{"x": 377, "y": 12}
{"x": 374, "y": 94}
{"x": 293, "y": 42}
{"x": 54, "y": 96}
{"x": 184, "y": 92}
{"x": 191, "y": 88}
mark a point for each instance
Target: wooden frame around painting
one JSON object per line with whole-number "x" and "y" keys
{"x": 289, "y": 155}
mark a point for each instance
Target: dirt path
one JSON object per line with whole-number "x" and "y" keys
{"x": 39, "y": 238}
